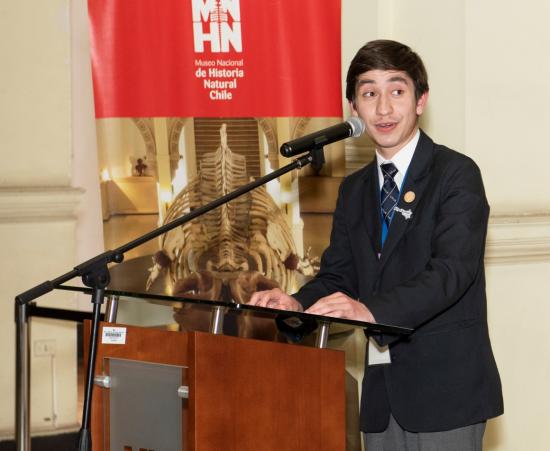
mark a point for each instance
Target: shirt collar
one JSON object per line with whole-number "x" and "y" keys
{"x": 401, "y": 160}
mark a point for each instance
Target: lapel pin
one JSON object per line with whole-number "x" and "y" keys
{"x": 407, "y": 214}
{"x": 409, "y": 196}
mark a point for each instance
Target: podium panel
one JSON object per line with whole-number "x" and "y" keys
{"x": 243, "y": 394}
{"x": 144, "y": 409}
{"x": 248, "y": 395}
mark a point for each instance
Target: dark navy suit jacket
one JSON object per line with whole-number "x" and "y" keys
{"x": 428, "y": 276}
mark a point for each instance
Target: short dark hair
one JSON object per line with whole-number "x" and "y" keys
{"x": 384, "y": 54}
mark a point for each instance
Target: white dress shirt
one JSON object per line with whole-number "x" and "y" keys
{"x": 401, "y": 160}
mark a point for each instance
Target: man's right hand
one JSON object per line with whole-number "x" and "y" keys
{"x": 277, "y": 299}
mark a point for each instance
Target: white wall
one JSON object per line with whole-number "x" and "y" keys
{"x": 508, "y": 92}
{"x": 41, "y": 134}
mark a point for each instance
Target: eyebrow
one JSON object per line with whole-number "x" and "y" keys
{"x": 397, "y": 78}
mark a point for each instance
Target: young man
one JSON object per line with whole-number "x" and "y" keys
{"x": 407, "y": 248}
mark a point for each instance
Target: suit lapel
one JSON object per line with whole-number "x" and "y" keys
{"x": 371, "y": 207}
{"x": 405, "y": 211}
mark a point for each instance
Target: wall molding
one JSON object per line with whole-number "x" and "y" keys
{"x": 519, "y": 238}
{"x": 39, "y": 203}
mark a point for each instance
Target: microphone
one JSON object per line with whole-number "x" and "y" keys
{"x": 353, "y": 127}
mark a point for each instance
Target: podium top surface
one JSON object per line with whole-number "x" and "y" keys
{"x": 286, "y": 320}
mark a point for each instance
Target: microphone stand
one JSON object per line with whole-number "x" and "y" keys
{"x": 95, "y": 274}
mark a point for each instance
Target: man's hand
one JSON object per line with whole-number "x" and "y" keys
{"x": 275, "y": 298}
{"x": 339, "y": 305}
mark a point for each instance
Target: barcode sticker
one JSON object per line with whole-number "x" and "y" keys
{"x": 114, "y": 335}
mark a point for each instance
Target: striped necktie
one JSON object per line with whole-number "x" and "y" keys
{"x": 389, "y": 195}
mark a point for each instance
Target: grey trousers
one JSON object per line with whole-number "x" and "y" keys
{"x": 395, "y": 438}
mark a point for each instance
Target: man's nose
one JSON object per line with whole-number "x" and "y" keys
{"x": 384, "y": 106}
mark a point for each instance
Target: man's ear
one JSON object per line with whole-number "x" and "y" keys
{"x": 421, "y": 103}
{"x": 352, "y": 109}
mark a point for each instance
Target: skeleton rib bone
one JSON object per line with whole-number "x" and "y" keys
{"x": 239, "y": 245}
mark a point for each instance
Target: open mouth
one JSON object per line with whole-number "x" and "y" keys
{"x": 386, "y": 126}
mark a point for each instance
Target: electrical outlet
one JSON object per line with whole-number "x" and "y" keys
{"x": 44, "y": 347}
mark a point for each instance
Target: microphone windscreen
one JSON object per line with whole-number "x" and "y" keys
{"x": 357, "y": 126}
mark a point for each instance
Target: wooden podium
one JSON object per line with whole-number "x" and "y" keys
{"x": 235, "y": 394}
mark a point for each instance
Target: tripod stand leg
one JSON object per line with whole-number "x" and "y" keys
{"x": 22, "y": 376}
{"x": 85, "y": 439}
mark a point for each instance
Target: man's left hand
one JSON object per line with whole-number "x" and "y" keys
{"x": 339, "y": 305}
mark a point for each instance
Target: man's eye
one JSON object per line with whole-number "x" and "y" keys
{"x": 368, "y": 94}
{"x": 397, "y": 92}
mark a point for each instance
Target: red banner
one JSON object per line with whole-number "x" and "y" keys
{"x": 211, "y": 58}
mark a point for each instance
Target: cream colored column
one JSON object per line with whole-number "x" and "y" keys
{"x": 37, "y": 202}
{"x": 85, "y": 170}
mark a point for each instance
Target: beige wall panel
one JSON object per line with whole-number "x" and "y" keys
{"x": 508, "y": 92}
{"x": 34, "y": 252}
{"x": 518, "y": 319}
{"x": 35, "y": 115}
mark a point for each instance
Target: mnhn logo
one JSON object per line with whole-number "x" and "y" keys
{"x": 211, "y": 22}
